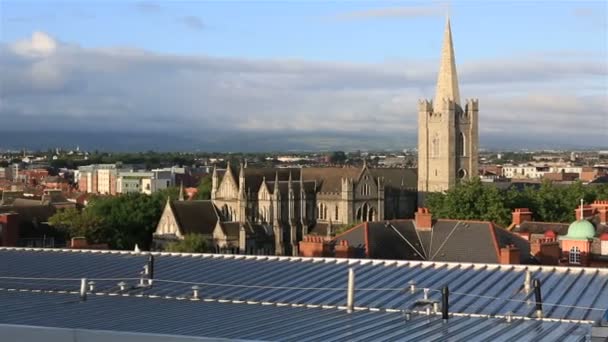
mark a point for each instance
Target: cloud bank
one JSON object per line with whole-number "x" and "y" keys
{"x": 48, "y": 85}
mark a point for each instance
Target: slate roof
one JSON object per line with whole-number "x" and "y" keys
{"x": 449, "y": 240}
{"x": 195, "y": 217}
{"x": 329, "y": 179}
{"x": 488, "y": 290}
{"x": 534, "y": 227}
{"x": 395, "y": 177}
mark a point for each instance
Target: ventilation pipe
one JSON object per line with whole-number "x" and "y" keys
{"x": 539, "y": 301}
{"x": 83, "y": 289}
{"x": 527, "y": 281}
{"x": 445, "y": 293}
{"x": 350, "y": 294}
{"x": 150, "y": 269}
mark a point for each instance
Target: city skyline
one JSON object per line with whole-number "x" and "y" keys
{"x": 540, "y": 82}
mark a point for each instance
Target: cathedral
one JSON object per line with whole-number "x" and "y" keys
{"x": 292, "y": 202}
{"x": 274, "y": 208}
{"x": 447, "y": 132}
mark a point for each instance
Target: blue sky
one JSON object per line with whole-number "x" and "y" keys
{"x": 538, "y": 67}
{"x": 315, "y": 30}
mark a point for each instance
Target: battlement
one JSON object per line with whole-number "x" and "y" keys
{"x": 472, "y": 105}
{"x": 425, "y": 106}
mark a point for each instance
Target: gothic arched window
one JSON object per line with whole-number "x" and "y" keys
{"x": 435, "y": 146}
{"x": 460, "y": 145}
{"x": 337, "y": 212}
{"x": 365, "y": 212}
{"x": 575, "y": 255}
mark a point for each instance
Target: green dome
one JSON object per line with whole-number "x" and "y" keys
{"x": 580, "y": 230}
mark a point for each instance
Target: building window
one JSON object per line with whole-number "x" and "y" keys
{"x": 604, "y": 248}
{"x": 460, "y": 151}
{"x": 337, "y": 213}
{"x": 575, "y": 255}
{"x": 435, "y": 147}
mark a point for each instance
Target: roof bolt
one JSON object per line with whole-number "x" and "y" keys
{"x": 426, "y": 293}
{"x": 122, "y": 285}
{"x": 408, "y": 315}
{"x": 428, "y": 310}
{"x": 412, "y": 286}
{"x": 509, "y": 317}
{"x": 91, "y": 286}
{"x": 195, "y": 289}
{"x": 435, "y": 307}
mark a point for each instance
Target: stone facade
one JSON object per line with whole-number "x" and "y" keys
{"x": 447, "y": 133}
{"x": 291, "y": 202}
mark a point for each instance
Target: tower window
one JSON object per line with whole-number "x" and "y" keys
{"x": 462, "y": 173}
{"x": 435, "y": 146}
{"x": 460, "y": 145}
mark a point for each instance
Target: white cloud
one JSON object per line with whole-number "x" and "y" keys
{"x": 130, "y": 89}
{"x": 39, "y": 44}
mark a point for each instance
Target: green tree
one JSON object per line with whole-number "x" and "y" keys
{"x": 204, "y": 188}
{"x": 75, "y": 223}
{"x": 337, "y": 157}
{"x": 192, "y": 243}
{"x": 471, "y": 201}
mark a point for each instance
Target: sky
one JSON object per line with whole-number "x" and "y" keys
{"x": 303, "y": 69}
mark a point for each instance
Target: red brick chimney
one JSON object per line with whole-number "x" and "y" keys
{"x": 424, "y": 219}
{"x": 521, "y": 215}
{"x": 509, "y": 255}
{"x": 602, "y": 210}
{"x": 343, "y": 250}
{"x": 546, "y": 251}
{"x": 314, "y": 246}
{"x": 9, "y": 232}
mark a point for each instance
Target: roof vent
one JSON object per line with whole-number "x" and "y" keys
{"x": 122, "y": 285}
{"x": 195, "y": 290}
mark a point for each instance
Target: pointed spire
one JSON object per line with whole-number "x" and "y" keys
{"x": 447, "y": 80}
{"x": 582, "y": 205}
{"x": 181, "y": 191}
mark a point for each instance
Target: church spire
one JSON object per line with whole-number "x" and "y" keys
{"x": 447, "y": 80}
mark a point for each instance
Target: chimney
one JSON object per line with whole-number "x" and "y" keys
{"x": 9, "y": 229}
{"x": 521, "y": 215}
{"x": 313, "y": 246}
{"x": 424, "y": 219}
{"x": 509, "y": 255}
{"x": 601, "y": 207}
{"x": 343, "y": 250}
{"x": 603, "y": 214}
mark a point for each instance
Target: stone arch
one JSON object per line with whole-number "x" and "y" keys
{"x": 435, "y": 142}
{"x": 460, "y": 145}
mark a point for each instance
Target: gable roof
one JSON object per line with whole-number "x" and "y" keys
{"x": 448, "y": 240}
{"x": 195, "y": 217}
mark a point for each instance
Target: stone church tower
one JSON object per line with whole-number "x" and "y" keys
{"x": 447, "y": 132}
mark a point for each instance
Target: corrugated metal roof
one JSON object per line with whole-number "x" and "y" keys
{"x": 486, "y": 289}
{"x": 266, "y": 323}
